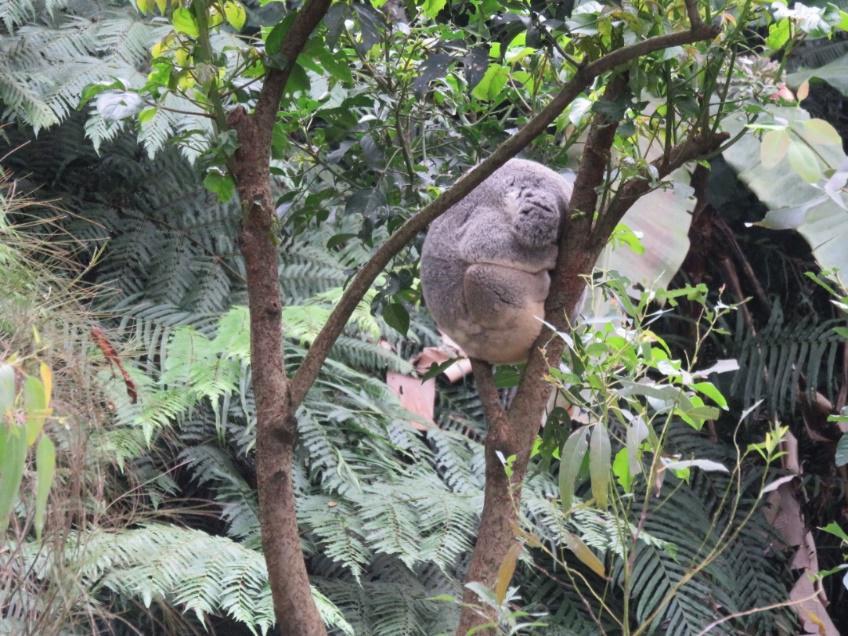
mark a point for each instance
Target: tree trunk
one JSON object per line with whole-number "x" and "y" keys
{"x": 512, "y": 433}
{"x": 276, "y": 426}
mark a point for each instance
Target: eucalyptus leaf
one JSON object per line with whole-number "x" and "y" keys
{"x": 570, "y": 459}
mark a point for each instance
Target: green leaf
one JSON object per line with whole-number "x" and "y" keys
{"x": 774, "y": 147}
{"x": 599, "y": 464}
{"x": 221, "y": 184}
{"x": 570, "y": 460}
{"x": 432, "y": 8}
{"x": 92, "y": 90}
{"x": 145, "y": 6}
{"x": 146, "y": 114}
{"x": 492, "y": 84}
{"x": 12, "y": 462}
{"x": 842, "y": 450}
{"x": 397, "y": 317}
{"x": 235, "y": 14}
{"x": 836, "y": 530}
{"x": 804, "y": 162}
{"x": 710, "y": 390}
{"x": 274, "y": 41}
{"x": 184, "y": 22}
{"x": 45, "y": 468}
{"x": 621, "y": 469}
{"x": 818, "y": 131}
{"x": 7, "y": 389}
{"x": 778, "y": 34}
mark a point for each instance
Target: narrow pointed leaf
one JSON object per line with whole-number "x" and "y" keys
{"x": 599, "y": 464}
{"x": 584, "y": 554}
{"x": 45, "y": 469}
{"x": 505, "y": 572}
{"x": 570, "y": 459}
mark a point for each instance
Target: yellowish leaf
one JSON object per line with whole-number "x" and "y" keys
{"x": 505, "y": 572}
{"x": 584, "y": 554}
{"x": 47, "y": 380}
{"x": 803, "y": 90}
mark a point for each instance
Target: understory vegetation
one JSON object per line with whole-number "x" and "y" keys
{"x": 690, "y": 476}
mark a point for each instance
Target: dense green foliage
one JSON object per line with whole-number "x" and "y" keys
{"x": 155, "y": 523}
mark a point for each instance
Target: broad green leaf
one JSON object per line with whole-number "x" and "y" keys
{"x": 599, "y": 464}
{"x": 147, "y": 114}
{"x": 145, "y": 6}
{"x": 621, "y": 469}
{"x": 7, "y": 389}
{"x": 834, "y": 73}
{"x": 35, "y": 403}
{"x": 45, "y": 468}
{"x": 820, "y": 220}
{"x": 583, "y": 553}
{"x": 492, "y": 84}
{"x": 842, "y": 450}
{"x": 12, "y": 465}
{"x": 710, "y": 390}
{"x": 93, "y": 90}
{"x": 275, "y": 38}
{"x": 774, "y": 147}
{"x": 505, "y": 572}
{"x": 778, "y": 34}
{"x": 792, "y": 201}
{"x": 184, "y": 22}
{"x": 804, "y": 162}
{"x": 664, "y": 237}
{"x": 162, "y": 5}
{"x": 235, "y": 14}
{"x": 397, "y": 317}
{"x": 221, "y": 184}
{"x": 570, "y": 460}
{"x": 432, "y": 8}
{"x": 818, "y": 131}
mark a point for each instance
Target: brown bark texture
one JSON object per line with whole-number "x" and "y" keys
{"x": 276, "y": 426}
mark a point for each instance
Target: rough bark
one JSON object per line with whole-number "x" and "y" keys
{"x": 276, "y": 426}
{"x": 512, "y": 433}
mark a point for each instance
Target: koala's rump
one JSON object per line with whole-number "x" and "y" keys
{"x": 497, "y": 316}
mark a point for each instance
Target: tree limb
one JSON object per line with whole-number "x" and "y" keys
{"x": 276, "y": 427}
{"x": 514, "y": 434}
{"x": 361, "y": 282}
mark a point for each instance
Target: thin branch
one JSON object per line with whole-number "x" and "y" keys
{"x": 691, "y": 149}
{"x": 272, "y": 89}
{"x": 360, "y": 283}
{"x": 692, "y": 12}
{"x": 488, "y": 392}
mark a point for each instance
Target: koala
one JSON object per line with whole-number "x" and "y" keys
{"x": 485, "y": 262}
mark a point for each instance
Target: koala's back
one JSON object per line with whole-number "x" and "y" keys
{"x": 485, "y": 262}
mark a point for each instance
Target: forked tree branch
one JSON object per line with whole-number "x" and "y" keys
{"x": 362, "y": 281}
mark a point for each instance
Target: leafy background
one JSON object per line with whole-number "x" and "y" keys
{"x": 159, "y": 533}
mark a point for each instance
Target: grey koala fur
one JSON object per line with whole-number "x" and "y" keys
{"x": 485, "y": 262}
